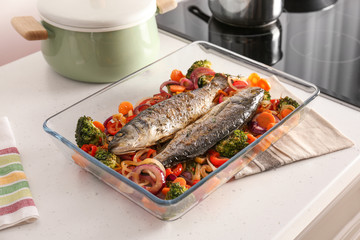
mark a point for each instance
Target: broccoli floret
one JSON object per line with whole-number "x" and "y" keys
{"x": 196, "y": 64}
{"x": 106, "y": 157}
{"x": 204, "y": 79}
{"x": 267, "y": 95}
{"x": 287, "y": 101}
{"x": 175, "y": 190}
{"x": 232, "y": 144}
{"x": 87, "y": 133}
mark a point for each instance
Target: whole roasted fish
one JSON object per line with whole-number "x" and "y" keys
{"x": 163, "y": 120}
{"x": 218, "y": 123}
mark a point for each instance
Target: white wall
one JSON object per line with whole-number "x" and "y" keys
{"x": 12, "y": 45}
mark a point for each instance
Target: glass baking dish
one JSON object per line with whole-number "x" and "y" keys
{"x": 146, "y": 82}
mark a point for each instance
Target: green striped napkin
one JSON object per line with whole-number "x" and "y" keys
{"x": 16, "y": 203}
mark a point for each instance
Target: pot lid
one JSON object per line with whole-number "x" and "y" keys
{"x": 96, "y": 15}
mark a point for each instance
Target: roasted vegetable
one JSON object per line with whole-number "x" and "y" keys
{"x": 286, "y": 101}
{"x": 196, "y": 64}
{"x": 267, "y": 95}
{"x": 232, "y": 144}
{"x": 190, "y": 166}
{"x": 204, "y": 79}
{"x": 175, "y": 190}
{"x": 87, "y": 133}
{"x": 106, "y": 157}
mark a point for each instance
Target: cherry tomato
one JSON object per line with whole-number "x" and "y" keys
{"x": 125, "y": 107}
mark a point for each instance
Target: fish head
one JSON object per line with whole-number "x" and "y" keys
{"x": 125, "y": 141}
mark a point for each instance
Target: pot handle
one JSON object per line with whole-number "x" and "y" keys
{"x": 29, "y": 28}
{"x": 164, "y": 6}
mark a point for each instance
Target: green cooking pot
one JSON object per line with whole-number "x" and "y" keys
{"x": 96, "y": 41}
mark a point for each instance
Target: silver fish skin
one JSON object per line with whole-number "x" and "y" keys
{"x": 223, "y": 119}
{"x": 163, "y": 120}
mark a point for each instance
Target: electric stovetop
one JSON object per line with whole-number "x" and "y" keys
{"x": 322, "y": 46}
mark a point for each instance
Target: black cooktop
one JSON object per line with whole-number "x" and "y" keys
{"x": 319, "y": 46}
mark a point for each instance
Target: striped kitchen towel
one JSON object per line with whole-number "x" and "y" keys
{"x": 16, "y": 203}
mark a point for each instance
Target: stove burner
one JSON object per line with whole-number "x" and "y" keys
{"x": 325, "y": 46}
{"x": 262, "y": 44}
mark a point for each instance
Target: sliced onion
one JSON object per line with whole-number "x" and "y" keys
{"x": 204, "y": 170}
{"x": 196, "y": 175}
{"x": 156, "y": 177}
{"x": 255, "y": 128}
{"x": 143, "y": 101}
{"x": 107, "y": 120}
{"x": 188, "y": 176}
{"x": 198, "y": 72}
{"x": 210, "y": 164}
{"x": 170, "y": 82}
{"x": 154, "y": 161}
{"x": 138, "y": 154}
{"x": 141, "y": 108}
{"x": 187, "y": 83}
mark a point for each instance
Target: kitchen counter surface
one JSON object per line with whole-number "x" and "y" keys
{"x": 73, "y": 204}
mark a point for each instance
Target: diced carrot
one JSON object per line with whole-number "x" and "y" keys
{"x": 188, "y": 186}
{"x": 165, "y": 190}
{"x": 177, "y": 88}
{"x": 176, "y": 75}
{"x": 264, "y": 119}
{"x": 264, "y": 84}
{"x": 253, "y": 79}
{"x": 180, "y": 180}
{"x": 99, "y": 125}
{"x": 125, "y": 107}
{"x": 250, "y": 138}
{"x": 285, "y": 112}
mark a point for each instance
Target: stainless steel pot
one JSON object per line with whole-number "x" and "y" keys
{"x": 246, "y": 13}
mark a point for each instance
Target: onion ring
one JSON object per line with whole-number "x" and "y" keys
{"x": 169, "y": 82}
{"x": 198, "y": 72}
{"x": 156, "y": 177}
{"x": 204, "y": 170}
{"x": 141, "y": 108}
{"x": 188, "y": 84}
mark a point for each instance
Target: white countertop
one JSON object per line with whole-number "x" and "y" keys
{"x": 73, "y": 204}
